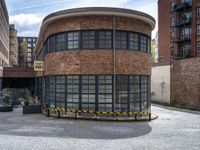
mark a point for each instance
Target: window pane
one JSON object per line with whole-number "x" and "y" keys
{"x": 105, "y": 39}
{"x": 52, "y": 43}
{"x": 134, "y": 41}
{"x": 60, "y": 41}
{"x": 73, "y": 40}
{"x": 88, "y": 92}
{"x": 121, "y": 93}
{"x": 143, "y": 43}
{"x": 72, "y": 92}
{"x": 121, "y": 40}
{"x": 88, "y": 39}
{"x": 105, "y": 93}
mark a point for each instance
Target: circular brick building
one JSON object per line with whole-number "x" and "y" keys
{"x": 95, "y": 59}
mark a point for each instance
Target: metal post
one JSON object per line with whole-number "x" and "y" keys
{"x": 149, "y": 116}
{"x": 58, "y": 111}
{"x": 48, "y": 112}
{"x": 114, "y": 62}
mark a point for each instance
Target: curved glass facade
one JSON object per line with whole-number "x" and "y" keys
{"x": 95, "y": 40}
{"x": 95, "y": 92}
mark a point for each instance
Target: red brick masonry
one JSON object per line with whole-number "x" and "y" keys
{"x": 95, "y": 22}
{"x": 97, "y": 62}
{"x": 18, "y": 72}
{"x": 185, "y": 82}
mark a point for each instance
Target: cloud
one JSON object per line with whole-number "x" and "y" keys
{"x": 37, "y": 5}
{"x": 25, "y": 19}
{"x": 150, "y": 9}
{"x": 107, "y": 3}
{"x": 28, "y": 15}
{"x": 29, "y": 33}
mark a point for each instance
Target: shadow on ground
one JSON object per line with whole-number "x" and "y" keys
{"x": 14, "y": 123}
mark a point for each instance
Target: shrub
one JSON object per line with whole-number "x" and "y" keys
{"x": 26, "y": 102}
{"x": 174, "y": 100}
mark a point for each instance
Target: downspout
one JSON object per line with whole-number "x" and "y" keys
{"x": 114, "y": 63}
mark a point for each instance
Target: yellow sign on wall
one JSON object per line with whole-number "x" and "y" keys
{"x": 38, "y": 65}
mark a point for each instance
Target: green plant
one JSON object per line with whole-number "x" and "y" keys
{"x": 153, "y": 94}
{"x": 6, "y": 100}
{"x": 26, "y": 102}
{"x": 174, "y": 99}
{"x": 153, "y": 51}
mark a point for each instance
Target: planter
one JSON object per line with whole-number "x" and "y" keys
{"x": 32, "y": 109}
{"x": 6, "y": 108}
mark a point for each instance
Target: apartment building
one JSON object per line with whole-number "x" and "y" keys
{"x": 4, "y": 38}
{"x": 179, "y": 29}
{"x": 175, "y": 78}
{"x": 13, "y": 58}
{"x": 26, "y": 51}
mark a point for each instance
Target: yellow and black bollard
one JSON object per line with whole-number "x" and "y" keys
{"x": 135, "y": 117}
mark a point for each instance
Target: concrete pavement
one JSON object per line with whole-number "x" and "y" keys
{"x": 174, "y": 129}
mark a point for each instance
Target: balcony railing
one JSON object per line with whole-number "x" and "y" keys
{"x": 182, "y": 54}
{"x": 182, "y": 6}
{"x": 184, "y": 38}
{"x": 183, "y": 22}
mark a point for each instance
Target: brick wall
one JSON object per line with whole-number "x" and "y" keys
{"x": 18, "y": 72}
{"x": 164, "y": 30}
{"x": 95, "y": 22}
{"x": 97, "y": 62}
{"x": 185, "y": 82}
{"x": 76, "y": 62}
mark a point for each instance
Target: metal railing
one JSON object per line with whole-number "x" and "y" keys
{"x": 182, "y": 6}
{"x": 183, "y": 38}
{"x": 183, "y": 22}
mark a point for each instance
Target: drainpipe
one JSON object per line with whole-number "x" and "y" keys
{"x": 114, "y": 63}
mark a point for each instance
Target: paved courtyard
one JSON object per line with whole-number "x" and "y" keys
{"x": 174, "y": 129}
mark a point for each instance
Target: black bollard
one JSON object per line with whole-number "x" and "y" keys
{"x": 48, "y": 112}
{"x": 149, "y": 116}
{"x": 58, "y": 114}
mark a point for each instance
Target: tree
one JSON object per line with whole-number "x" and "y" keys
{"x": 153, "y": 51}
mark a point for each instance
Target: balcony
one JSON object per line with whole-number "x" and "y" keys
{"x": 182, "y": 6}
{"x": 183, "y": 22}
{"x": 182, "y": 54}
{"x": 184, "y": 38}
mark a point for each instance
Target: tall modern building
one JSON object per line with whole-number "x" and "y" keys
{"x": 4, "y": 38}
{"x": 95, "y": 59}
{"x": 26, "y": 51}
{"x": 179, "y": 29}
{"x": 13, "y": 53}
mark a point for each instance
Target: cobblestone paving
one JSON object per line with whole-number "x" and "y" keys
{"x": 174, "y": 129}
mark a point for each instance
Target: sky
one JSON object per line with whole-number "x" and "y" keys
{"x": 27, "y": 15}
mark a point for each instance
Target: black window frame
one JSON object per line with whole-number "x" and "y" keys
{"x": 105, "y": 40}
{"x": 143, "y": 43}
{"x": 51, "y": 42}
{"x": 60, "y": 41}
{"x": 105, "y": 92}
{"x": 73, "y": 40}
{"x": 121, "y": 39}
{"x": 132, "y": 41}
{"x": 88, "y": 92}
{"x": 73, "y": 86}
{"x": 88, "y": 39}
